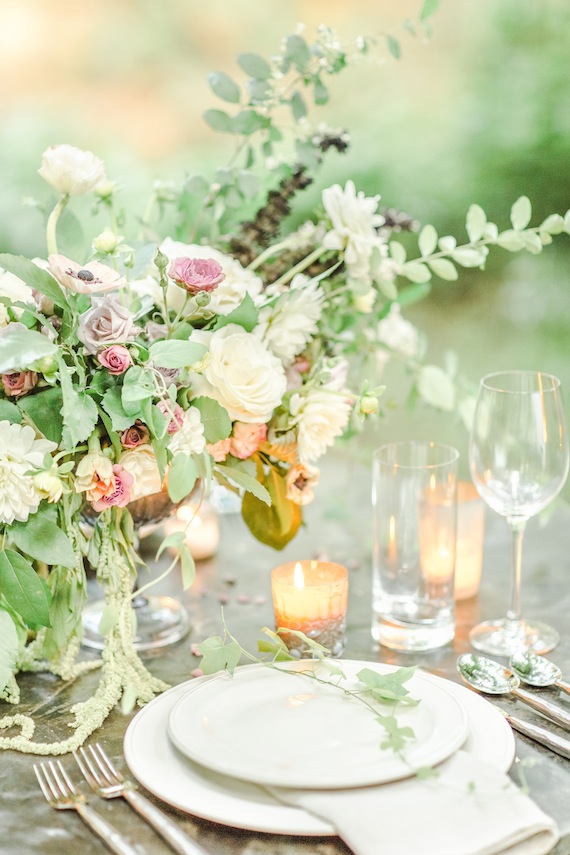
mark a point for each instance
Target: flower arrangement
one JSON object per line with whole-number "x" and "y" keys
{"x": 230, "y": 349}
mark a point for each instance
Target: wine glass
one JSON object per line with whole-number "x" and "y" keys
{"x": 518, "y": 455}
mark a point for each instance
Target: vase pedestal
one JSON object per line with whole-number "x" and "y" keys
{"x": 160, "y": 622}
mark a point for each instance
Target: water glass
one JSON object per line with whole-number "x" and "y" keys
{"x": 414, "y": 499}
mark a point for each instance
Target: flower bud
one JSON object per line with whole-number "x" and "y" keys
{"x": 49, "y": 485}
{"x": 106, "y": 242}
{"x": 368, "y": 405}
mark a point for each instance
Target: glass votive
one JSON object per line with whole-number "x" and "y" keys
{"x": 470, "y": 536}
{"x": 201, "y": 529}
{"x": 311, "y": 597}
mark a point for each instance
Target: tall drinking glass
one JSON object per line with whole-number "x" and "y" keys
{"x": 518, "y": 455}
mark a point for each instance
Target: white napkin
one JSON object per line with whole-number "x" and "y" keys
{"x": 468, "y": 809}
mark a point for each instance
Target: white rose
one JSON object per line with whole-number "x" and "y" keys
{"x": 71, "y": 171}
{"x": 241, "y": 374}
{"x": 291, "y": 322}
{"x": 353, "y": 226}
{"x": 229, "y": 294}
{"x": 15, "y": 289}
{"x": 142, "y": 465}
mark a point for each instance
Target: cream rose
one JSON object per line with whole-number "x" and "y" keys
{"x": 71, "y": 171}
{"x": 241, "y": 374}
{"x": 141, "y": 464}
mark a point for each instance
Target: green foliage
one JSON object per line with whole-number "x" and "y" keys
{"x": 35, "y": 277}
{"x": 274, "y": 520}
{"x": 389, "y": 687}
{"x": 8, "y": 648}
{"x": 216, "y": 421}
{"x": 176, "y": 354}
{"x": 23, "y": 589}
{"x": 218, "y": 655}
{"x": 42, "y": 539}
{"x": 20, "y": 347}
{"x": 44, "y": 408}
{"x": 245, "y": 315}
{"x": 182, "y": 476}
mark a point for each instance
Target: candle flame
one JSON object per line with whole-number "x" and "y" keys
{"x": 298, "y": 578}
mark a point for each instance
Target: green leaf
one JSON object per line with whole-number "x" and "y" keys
{"x": 247, "y": 122}
{"x": 397, "y": 252}
{"x": 394, "y": 47}
{"x": 510, "y": 240}
{"x": 476, "y": 222}
{"x": 413, "y": 293}
{"x": 174, "y": 541}
{"x": 9, "y": 412}
{"x": 521, "y": 213}
{"x": 444, "y": 269}
{"x": 216, "y": 421}
{"x": 8, "y": 648}
{"x": 176, "y": 354}
{"x": 42, "y": 539}
{"x": 298, "y": 106}
{"x": 218, "y": 655}
{"x": 23, "y": 589}
{"x": 567, "y": 222}
{"x": 297, "y": 51}
{"x": 20, "y": 347}
{"x": 219, "y": 121}
{"x": 275, "y": 645}
{"x": 112, "y": 404}
{"x": 532, "y": 242}
{"x": 389, "y": 687}
{"x": 275, "y": 525}
{"x": 320, "y": 92}
{"x": 436, "y": 388}
{"x": 242, "y": 479}
{"x": 429, "y": 8}
{"x": 137, "y": 387}
{"x": 44, "y": 409}
{"x": 254, "y": 65}
{"x": 554, "y": 224}
{"x": 427, "y": 240}
{"x": 224, "y": 87}
{"x": 245, "y": 315}
{"x": 80, "y": 413}
{"x": 182, "y": 477}
{"x": 415, "y": 271}
{"x": 248, "y": 183}
{"x": 34, "y": 276}
{"x": 109, "y": 619}
{"x": 187, "y": 567}
{"x": 470, "y": 256}
{"x": 396, "y": 736}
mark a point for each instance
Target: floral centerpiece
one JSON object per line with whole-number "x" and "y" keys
{"x": 142, "y": 362}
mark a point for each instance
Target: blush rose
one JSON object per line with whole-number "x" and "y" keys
{"x": 196, "y": 274}
{"x": 116, "y": 359}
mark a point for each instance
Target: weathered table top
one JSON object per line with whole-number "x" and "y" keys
{"x": 339, "y": 524}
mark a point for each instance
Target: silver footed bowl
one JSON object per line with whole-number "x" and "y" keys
{"x": 149, "y": 510}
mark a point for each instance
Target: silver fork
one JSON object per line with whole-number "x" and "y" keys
{"x": 107, "y": 781}
{"x": 61, "y": 794}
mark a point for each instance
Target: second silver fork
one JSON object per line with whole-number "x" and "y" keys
{"x": 108, "y": 782}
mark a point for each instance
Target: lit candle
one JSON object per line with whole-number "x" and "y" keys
{"x": 311, "y": 596}
{"x": 470, "y": 536}
{"x": 201, "y": 529}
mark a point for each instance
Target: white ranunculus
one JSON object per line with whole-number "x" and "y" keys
{"x": 70, "y": 170}
{"x": 189, "y": 439}
{"x": 240, "y": 373}
{"x": 142, "y": 465}
{"x": 353, "y": 227}
{"x": 20, "y": 453}
{"x": 228, "y": 294}
{"x": 320, "y": 417}
{"x": 291, "y": 322}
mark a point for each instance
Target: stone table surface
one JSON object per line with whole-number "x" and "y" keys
{"x": 338, "y": 525}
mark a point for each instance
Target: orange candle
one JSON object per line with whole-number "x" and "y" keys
{"x": 311, "y": 596}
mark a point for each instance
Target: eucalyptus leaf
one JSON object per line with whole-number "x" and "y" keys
{"x": 415, "y": 271}
{"x": 23, "y": 589}
{"x": 397, "y": 252}
{"x": 470, "y": 256}
{"x": 224, "y": 87}
{"x": 248, "y": 183}
{"x": 427, "y": 240}
{"x": 254, "y": 65}
{"x": 187, "y": 567}
{"x": 510, "y": 240}
{"x": 444, "y": 268}
{"x": 247, "y": 122}
{"x": 19, "y": 348}
{"x": 8, "y": 648}
{"x": 216, "y": 421}
{"x": 394, "y": 46}
{"x": 219, "y": 121}
{"x": 554, "y": 224}
{"x": 297, "y": 51}
{"x": 429, "y": 8}
{"x": 532, "y": 242}
{"x": 298, "y": 106}
{"x": 320, "y": 92}
{"x": 476, "y": 222}
{"x": 182, "y": 477}
{"x": 176, "y": 354}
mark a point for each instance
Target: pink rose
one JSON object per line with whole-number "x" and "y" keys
{"x": 121, "y": 495}
{"x": 219, "y": 450}
{"x": 196, "y": 274}
{"x": 115, "y": 359}
{"x": 174, "y": 412}
{"x": 18, "y": 383}
{"x": 246, "y": 439}
{"x": 136, "y": 435}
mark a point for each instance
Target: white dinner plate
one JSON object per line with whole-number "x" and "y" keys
{"x": 185, "y": 785}
{"x": 277, "y": 727}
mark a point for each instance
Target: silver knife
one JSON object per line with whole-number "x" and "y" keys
{"x": 539, "y": 734}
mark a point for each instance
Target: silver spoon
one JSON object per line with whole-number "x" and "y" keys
{"x": 538, "y": 671}
{"x": 490, "y": 677}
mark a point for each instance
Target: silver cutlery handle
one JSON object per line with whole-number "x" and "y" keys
{"x": 545, "y": 707}
{"x": 543, "y": 737}
{"x": 166, "y": 827}
{"x": 562, "y": 684}
{"x": 107, "y": 832}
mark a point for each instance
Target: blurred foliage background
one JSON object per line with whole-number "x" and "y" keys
{"x": 481, "y": 114}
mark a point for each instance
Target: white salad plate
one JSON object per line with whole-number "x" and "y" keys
{"x": 277, "y": 727}
{"x": 172, "y": 777}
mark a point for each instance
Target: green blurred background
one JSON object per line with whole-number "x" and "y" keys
{"x": 481, "y": 114}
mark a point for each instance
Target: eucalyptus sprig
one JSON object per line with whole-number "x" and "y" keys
{"x": 373, "y": 689}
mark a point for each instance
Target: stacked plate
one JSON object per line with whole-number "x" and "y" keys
{"x": 211, "y": 746}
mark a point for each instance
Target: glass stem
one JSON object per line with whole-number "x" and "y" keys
{"x": 517, "y": 526}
